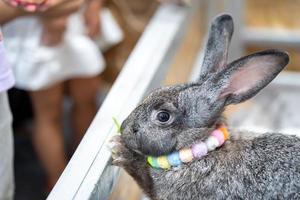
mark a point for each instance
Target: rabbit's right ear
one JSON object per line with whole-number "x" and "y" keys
{"x": 245, "y": 77}
{"x": 216, "y": 52}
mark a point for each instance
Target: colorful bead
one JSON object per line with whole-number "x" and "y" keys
{"x": 212, "y": 143}
{"x": 199, "y": 150}
{"x": 225, "y": 132}
{"x": 153, "y": 162}
{"x": 186, "y": 155}
{"x": 150, "y": 160}
{"x": 174, "y": 159}
{"x": 219, "y": 135}
{"x": 163, "y": 162}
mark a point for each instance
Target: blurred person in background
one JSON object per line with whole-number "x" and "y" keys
{"x": 7, "y": 13}
{"x": 51, "y": 55}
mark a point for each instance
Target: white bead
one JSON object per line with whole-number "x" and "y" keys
{"x": 212, "y": 143}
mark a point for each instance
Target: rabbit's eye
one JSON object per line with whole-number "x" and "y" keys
{"x": 163, "y": 116}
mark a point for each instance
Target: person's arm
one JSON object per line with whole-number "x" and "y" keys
{"x": 54, "y": 30}
{"x": 56, "y": 8}
{"x": 92, "y": 19}
{"x": 59, "y": 8}
{"x": 8, "y": 13}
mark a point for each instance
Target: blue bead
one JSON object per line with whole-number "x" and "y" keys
{"x": 174, "y": 159}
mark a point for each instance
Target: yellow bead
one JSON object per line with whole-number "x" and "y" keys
{"x": 163, "y": 162}
{"x": 186, "y": 155}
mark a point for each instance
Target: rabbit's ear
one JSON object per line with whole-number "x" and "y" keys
{"x": 215, "y": 57}
{"x": 245, "y": 77}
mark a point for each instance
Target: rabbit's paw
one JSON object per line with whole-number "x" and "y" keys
{"x": 121, "y": 155}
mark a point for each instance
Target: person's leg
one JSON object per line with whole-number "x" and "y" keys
{"x": 47, "y": 136}
{"x": 84, "y": 92}
{"x": 6, "y": 150}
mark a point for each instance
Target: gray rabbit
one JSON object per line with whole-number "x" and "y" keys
{"x": 246, "y": 166}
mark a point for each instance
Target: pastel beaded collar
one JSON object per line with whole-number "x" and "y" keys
{"x": 186, "y": 155}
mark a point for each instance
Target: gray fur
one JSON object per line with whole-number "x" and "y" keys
{"x": 247, "y": 166}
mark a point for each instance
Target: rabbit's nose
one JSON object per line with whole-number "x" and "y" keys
{"x": 130, "y": 126}
{"x": 135, "y": 128}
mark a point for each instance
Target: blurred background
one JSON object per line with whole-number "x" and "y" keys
{"x": 259, "y": 24}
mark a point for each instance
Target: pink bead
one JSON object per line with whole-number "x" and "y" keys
{"x": 219, "y": 135}
{"x": 199, "y": 150}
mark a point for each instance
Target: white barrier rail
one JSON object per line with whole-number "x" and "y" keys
{"x": 89, "y": 175}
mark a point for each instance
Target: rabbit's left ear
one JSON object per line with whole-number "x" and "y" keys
{"x": 245, "y": 77}
{"x": 216, "y": 52}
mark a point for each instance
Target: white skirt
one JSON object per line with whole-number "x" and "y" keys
{"x": 38, "y": 67}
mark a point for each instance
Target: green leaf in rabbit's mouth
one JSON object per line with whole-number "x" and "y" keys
{"x": 117, "y": 124}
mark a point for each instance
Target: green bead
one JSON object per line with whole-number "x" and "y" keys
{"x": 153, "y": 162}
